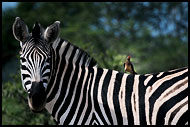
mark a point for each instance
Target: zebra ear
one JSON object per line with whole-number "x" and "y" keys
{"x": 52, "y": 32}
{"x": 20, "y": 30}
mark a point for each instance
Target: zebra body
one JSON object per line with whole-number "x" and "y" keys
{"x": 75, "y": 91}
{"x": 103, "y": 96}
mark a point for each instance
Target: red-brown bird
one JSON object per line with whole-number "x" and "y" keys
{"x": 128, "y": 66}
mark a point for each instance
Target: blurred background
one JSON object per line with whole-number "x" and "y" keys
{"x": 155, "y": 35}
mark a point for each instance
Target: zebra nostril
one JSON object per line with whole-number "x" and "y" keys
{"x": 36, "y": 89}
{"x": 37, "y": 96}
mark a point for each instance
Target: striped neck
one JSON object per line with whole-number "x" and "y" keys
{"x": 65, "y": 58}
{"x": 71, "y": 53}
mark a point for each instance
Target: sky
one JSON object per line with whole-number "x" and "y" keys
{"x": 6, "y": 5}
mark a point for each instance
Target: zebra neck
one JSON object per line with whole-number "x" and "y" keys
{"x": 66, "y": 89}
{"x": 69, "y": 67}
{"x": 65, "y": 51}
{"x": 65, "y": 57}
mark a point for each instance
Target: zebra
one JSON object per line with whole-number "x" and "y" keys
{"x": 63, "y": 79}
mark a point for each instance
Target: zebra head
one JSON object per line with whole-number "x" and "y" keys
{"x": 35, "y": 59}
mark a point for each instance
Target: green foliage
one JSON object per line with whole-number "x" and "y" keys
{"x": 154, "y": 34}
{"x": 15, "y": 110}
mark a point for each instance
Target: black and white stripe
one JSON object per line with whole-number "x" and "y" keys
{"x": 81, "y": 93}
{"x": 35, "y": 63}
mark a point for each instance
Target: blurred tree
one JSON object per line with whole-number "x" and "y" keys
{"x": 154, "y": 34}
{"x": 7, "y": 36}
{"x": 15, "y": 110}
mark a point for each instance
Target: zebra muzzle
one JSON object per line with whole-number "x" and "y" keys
{"x": 37, "y": 97}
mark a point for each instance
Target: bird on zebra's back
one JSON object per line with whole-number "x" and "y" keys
{"x": 128, "y": 66}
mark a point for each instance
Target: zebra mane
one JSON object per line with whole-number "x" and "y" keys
{"x": 84, "y": 58}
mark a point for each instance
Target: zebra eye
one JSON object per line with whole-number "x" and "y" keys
{"x": 22, "y": 59}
